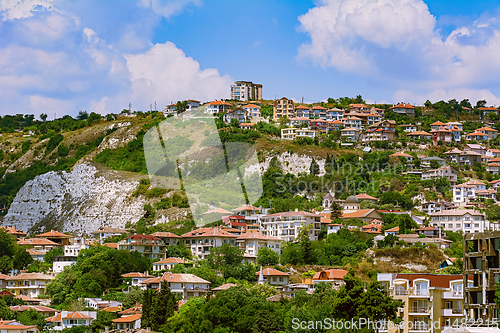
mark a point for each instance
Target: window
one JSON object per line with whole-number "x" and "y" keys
{"x": 450, "y": 225}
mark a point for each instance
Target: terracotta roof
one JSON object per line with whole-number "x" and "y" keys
{"x": 436, "y": 280}
{"x": 317, "y": 107}
{"x": 141, "y": 237}
{"x": 34, "y": 252}
{"x": 293, "y": 213}
{"x": 132, "y": 310}
{"x": 12, "y": 230}
{"x": 208, "y": 232}
{"x": 77, "y": 315}
{"x": 185, "y": 278}
{"x": 438, "y": 123}
{"x": 257, "y": 235}
{"x": 250, "y": 106}
{"x": 247, "y": 124}
{"x": 137, "y": 275}
{"x": 403, "y": 106}
{"x": 112, "y": 309}
{"x": 395, "y": 229}
{"x": 13, "y": 325}
{"x": 30, "y": 276}
{"x": 171, "y": 260}
{"x": 3, "y": 276}
{"x": 217, "y": 103}
{"x": 128, "y": 319}
{"x": 218, "y": 211}
{"x": 400, "y": 153}
{"x": 271, "y": 272}
{"x": 165, "y": 234}
{"x": 488, "y": 109}
{"x": 25, "y": 298}
{"x": 475, "y": 134}
{"x": 358, "y": 105}
{"x": 357, "y": 214}
{"x": 109, "y": 230}
{"x": 457, "y": 212}
{"x": 429, "y": 228}
{"x": 37, "y": 308}
{"x": 111, "y": 245}
{"x": 302, "y": 107}
{"x": 54, "y": 234}
{"x": 277, "y": 298}
{"x": 55, "y": 319}
{"x": 247, "y": 207}
{"x": 37, "y": 241}
{"x": 330, "y": 274}
{"x": 487, "y": 129}
{"x": 225, "y": 287}
{"x": 364, "y": 196}
{"x": 419, "y": 133}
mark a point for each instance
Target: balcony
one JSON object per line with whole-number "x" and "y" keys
{"x": 418, "y": 326}
{"x": 453, "y": 295}
{"x": 419, "y": 310}
{"x": 401, "y": 292}
{"x": 420, "y": 293}
{"x": 452, "y": 312}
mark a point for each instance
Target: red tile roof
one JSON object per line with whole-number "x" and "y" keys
{"x": 436, "y": 280}
{"x": 128, "y": 319}
{"x": 256, "y": 235}
{"x": 217, "y": 103}
{"x": 330, "y": 274}
{"x": 137, "y": 275}
{"x": 165, "y": 234}
{"x": 271, "y": 272}
{"x": 171, "y": 260}
{"x": 403, "y": 106}
{"x": 208, "y": 232}
{"x": 37, "y": 241}
{"x": 54, "y": 234}
{"x": 77, "y": 315}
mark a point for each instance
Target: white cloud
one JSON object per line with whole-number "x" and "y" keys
{"x": 164, "y": 74}
{"x": 168, "y": 8}
{"x": 39, "y": 104}
{"x": 397, "y": 43}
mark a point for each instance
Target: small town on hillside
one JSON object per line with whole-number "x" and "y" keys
{"x": 419, "y": 252}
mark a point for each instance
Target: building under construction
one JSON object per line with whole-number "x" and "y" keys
{"x": 481, "y": 260}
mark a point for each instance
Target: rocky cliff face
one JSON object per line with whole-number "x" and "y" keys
{"x": 91, "y": 196}
{"x": 78, "y": 201}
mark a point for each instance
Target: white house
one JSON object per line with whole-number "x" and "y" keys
{"x": 137, "y": 278}
{"x": 467, "y": 191}
{"x": 465, "y": 220}
{"x": 168, "y": 264}
{"x": 202, "y": 240}
{"x": 286, "y": 225}
{"x": 251, "y": 242}
{"x": 188, "y": 285}
{"x": 69, "y": 319}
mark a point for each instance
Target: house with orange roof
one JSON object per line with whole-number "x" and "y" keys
{"x": 404, "y": 109}
{"x": 459, "y": 220}
{"x": 364, "y": 196}
{"x": 372, "y": 228}
{"x": 466, "y": 192}
{"x": 135, "y": 279}
{"x": 149, "y": 246}
{"x": 28, "y": 284}
{"x": 487, "y": 110}
{"x": 39, "y": 244}
{"x": 202, "y": 240}
{"x": 217, "y": 107}
{"x": 133, "y": 310}
{"x": 286, "y": 225}
{"x": 352, "y": 121}
{"x": 274, "y": 277}
{"x": 494, "y": 152}
{"x": 420, "y": 135}
{"x": 334, "y": 114}
{"x": 493, "y": 168}
{"x": 334, "y": 125}
{"x": 437, "y": 125}
{"x": 317, "y": 110}
{"x": 441, "y": 134}
{"x": 57, "y": 237}
{"x": 299, "y": 121}
{"x": 302, "y": 111}
{"x": 13, "y": 231}
{"x": 365, "y": 215}
{"x": 247, "y": 126}
{"x": 377, "y": 134}
{"x": 427, "y": 298}
{"x": 3, "y": 281}
{"x": 409, "y": 128}
{"x": 392, "y": 231}
{"x": 223, "y": 287}
{"x": 128, "y": 322}
{"x": 69, "y": 319}
{"x": 476, "y": 136}
{"x": 398, "y": 154}
{"x": 293, "y": 133}
{"x": 168, "y": 238}
{"x": 13, "y": 326}
{"x": 43, "y": 310}
{"x": 333, "y": 228}
{"x": 445, "y": 171}
{"x": 333, "y": 275}
{"x": 251, "y": 242}
{"x": 359, "y": 108}
{"x": 253, "y": 112}
{"x": 350, "y": 134}
{"x": 490, "y": 132}
{"x": 282, "y": 108}
{"x": 105, "y": 232}
{"x": 169, "y": 263}
{"x": 187, "y": 285}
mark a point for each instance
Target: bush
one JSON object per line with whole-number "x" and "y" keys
{"x": 53, "y": 143}
{"x": 155, "y": 192}
{"x": 180, "y": 201}
{"x": 164, "y": 203}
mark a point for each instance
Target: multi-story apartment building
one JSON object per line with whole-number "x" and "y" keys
{"x": 377, "y": 134}
{"x": 476, "y": 136}
{"x": 187, "y": 285}
{"x": 318, "y": 112}
{"x": 464, "y": 220}
{"x": 481, "y": 261}
{"x": 428, "y": 299}
{"x": 105, "y": 232}
{"x": 404, "y": 109}
{"x": 283, "y": 107}
{"x": 350, "y": 134}
{"x": 468, "y": 157}
{"x": 202, "y": 240}
{"x": 441, "y": 134}
{"x": 409, "y": 128}
{"x": 490, "y": 132}
{"x": 57, "y": 237}
{"x": 318, "y": 125}
{"x": 251, "y": 242}
{"x": 286, "y": 225}
{"x": 254, "y": 112}
{"x": 299, "y": 122}
{"x": 239, "y": 114}
{"x": 293, "y": 133}
{"x": 359, "y": 108}
{"x": 487, "y": 110}
{"x": 28, "y": 284}
{"x": 468, "y": 191}
{"x": 352, "y": 121}
{"x": 69, "y": 256}
{"x": 147, "y": 245}
{"x": 246, "y": 91}
{"x": 445, "y": 171}
{"x": 302, "y": 111}
{"x": 432, "y": 207}
{"x": 388, "y": 125}
{"x": 334, "y": 114}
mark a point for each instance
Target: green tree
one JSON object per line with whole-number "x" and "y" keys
{"x": 267, "y": 256}
{"x": 336, "y": 211}
{"x": 164, "y": 306}
{"x": 314, "y": 168}
{"x": 305, "y": 244}
{"x": 49, "y": 256}
{"x": 225, "y": 255}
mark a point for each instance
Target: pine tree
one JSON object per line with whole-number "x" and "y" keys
{"x": 314, "y": 168}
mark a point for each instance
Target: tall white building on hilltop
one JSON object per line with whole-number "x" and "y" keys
{"x": 246, "y": 91}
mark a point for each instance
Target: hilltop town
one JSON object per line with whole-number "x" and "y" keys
{"x": 367, "y": 211}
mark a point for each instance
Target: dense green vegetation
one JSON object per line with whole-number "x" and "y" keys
{"x": 12, "y": 256}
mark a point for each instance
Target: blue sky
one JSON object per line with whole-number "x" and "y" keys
{"x": 101, "y": 55}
